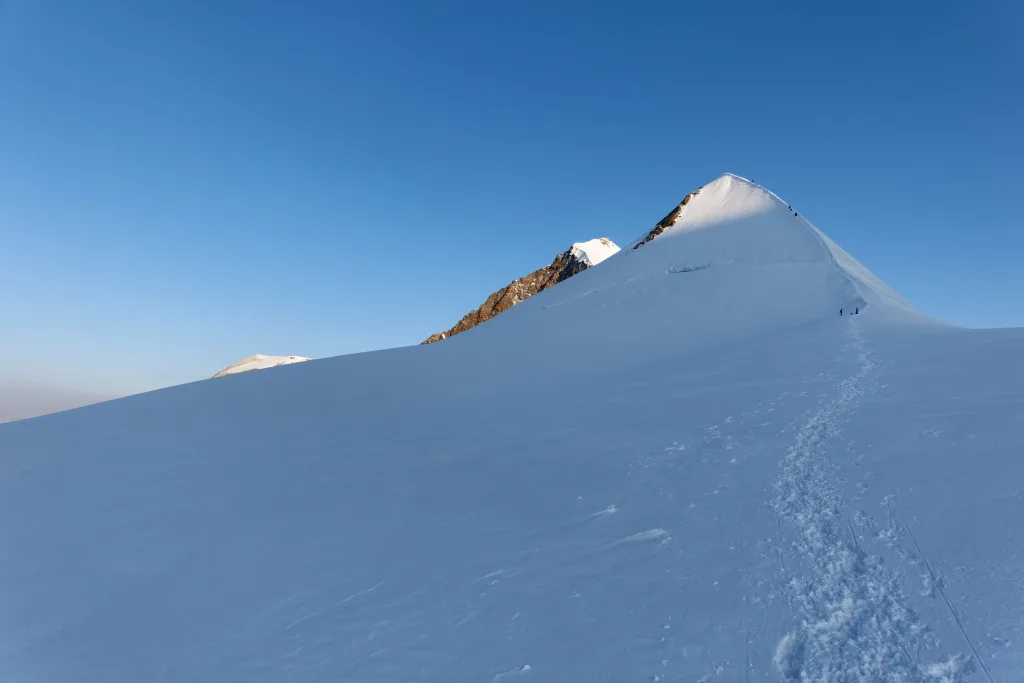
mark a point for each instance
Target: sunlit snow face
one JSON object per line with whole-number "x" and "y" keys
{"x": 594, "y": 251}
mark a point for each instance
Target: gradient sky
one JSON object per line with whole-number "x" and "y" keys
{"x": 184, "y": 183}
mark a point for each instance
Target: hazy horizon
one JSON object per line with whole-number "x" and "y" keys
{"x": 22, "y": 401}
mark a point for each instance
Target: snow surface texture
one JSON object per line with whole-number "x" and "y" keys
{"x": 594, "y": 251}
{"x": 258, "y": 361}
{"x": 751, "y": 488}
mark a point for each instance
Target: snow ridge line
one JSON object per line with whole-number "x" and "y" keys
{"x": 854, "y": 620}
{"x": 816, "y": 234}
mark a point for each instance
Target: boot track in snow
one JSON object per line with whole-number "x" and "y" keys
{"x": 854, "y": 621}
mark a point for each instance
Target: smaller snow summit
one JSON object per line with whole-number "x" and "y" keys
{"x": 576, "y": 259}
{"x": 258, "y": 361}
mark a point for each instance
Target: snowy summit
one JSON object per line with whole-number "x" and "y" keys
{"x": 594, "y": 251}
{"x": 728, "y": 453}
{"x": 258, "y": 361}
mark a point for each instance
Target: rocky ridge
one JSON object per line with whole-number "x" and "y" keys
{"x": 576, "y": 259}
{"x": 668, "y": 221}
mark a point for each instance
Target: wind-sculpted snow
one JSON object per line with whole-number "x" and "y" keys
{"x": 702, "y": 474}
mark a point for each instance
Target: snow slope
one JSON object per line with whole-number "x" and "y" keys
{"x": 594, "y": 251}
{"x": 752, "y": 488}
{"x": 258, "y": 361}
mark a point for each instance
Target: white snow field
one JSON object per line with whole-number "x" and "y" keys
{"x": 681, "y": 465}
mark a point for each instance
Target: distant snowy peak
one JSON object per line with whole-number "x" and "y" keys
{"x": 594, "y": 251}
{"x": 258, "y": 361}
{"x": 576, "y": 259}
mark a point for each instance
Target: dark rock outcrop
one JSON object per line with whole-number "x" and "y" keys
{"x": 668, "y": 220}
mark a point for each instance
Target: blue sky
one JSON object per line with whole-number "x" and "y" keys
{"x": 185, "y": 183}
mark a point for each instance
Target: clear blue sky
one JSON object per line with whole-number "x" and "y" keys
{"x": 185, "y": 183}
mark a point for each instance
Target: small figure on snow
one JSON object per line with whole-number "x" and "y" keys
{"x": 840, "y": 311}
{"x": 856, "y": 311}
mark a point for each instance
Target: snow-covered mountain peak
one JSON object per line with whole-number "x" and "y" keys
{"x": 594, "y": 251}
{"x": 734, "y": 221}
{"x": 731, "y": 196}
{"x": 733, "y": 261}
{"x": 727, "y": 199}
